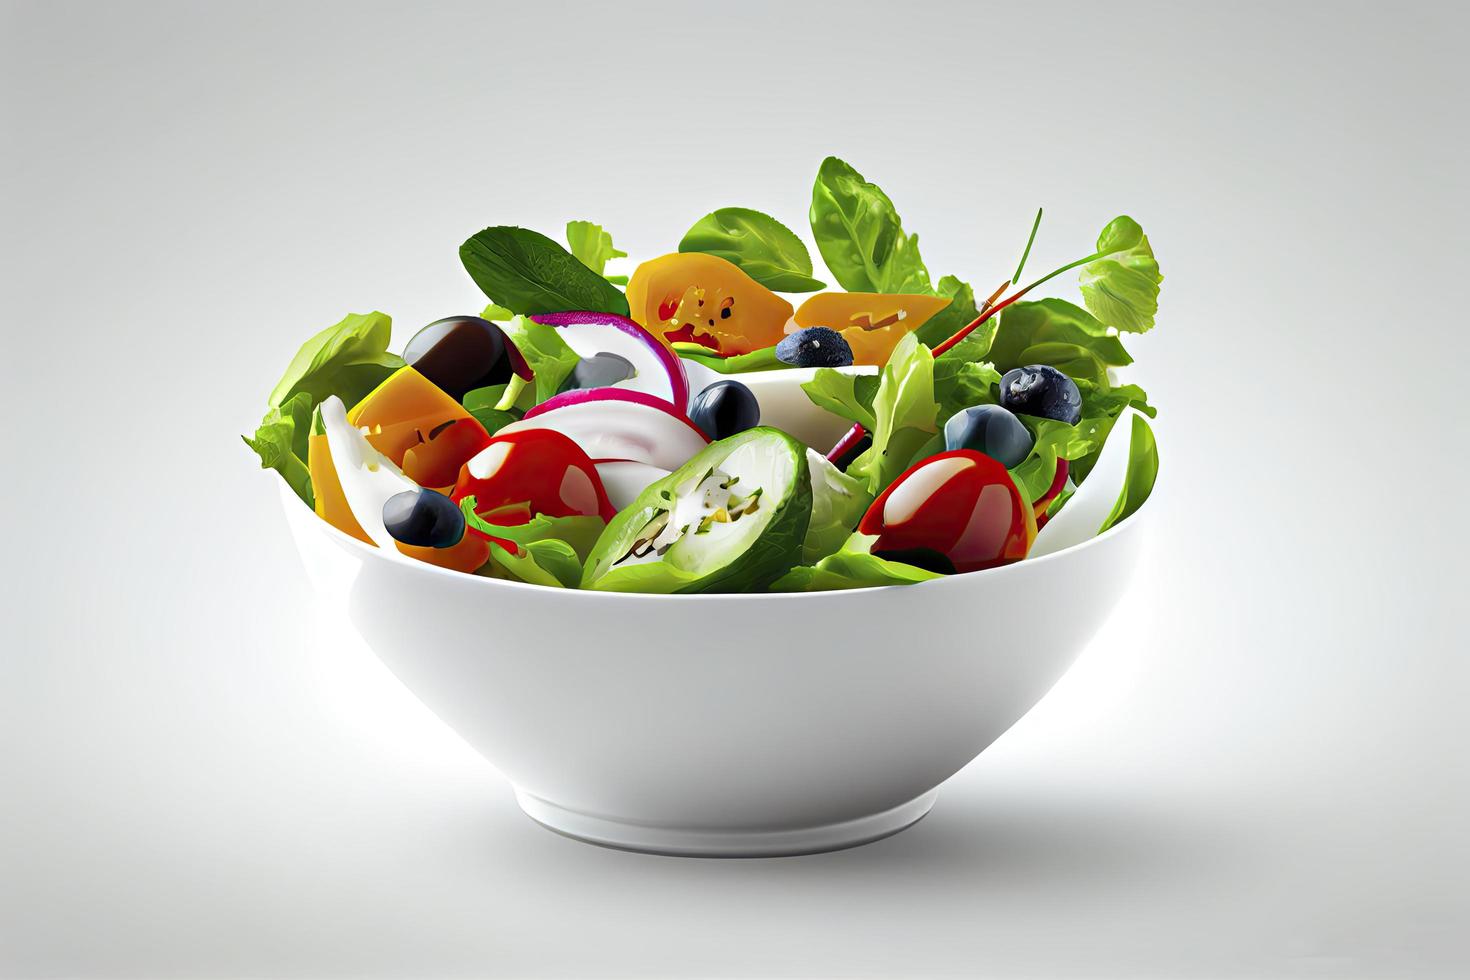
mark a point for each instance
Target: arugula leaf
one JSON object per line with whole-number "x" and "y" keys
{"x": 848, "y": 395}
{"x": 1055, "y": 332}
{"x": 947, "y": 322}
{"x": 524, "y": 271}
{"x": 838, "y": 503}
{"x": 904, "y": 413}
{"x": 1143, "y": 470}
{"x": 860, "y": 236}
{"x": 348, "y": 359}
{"x": 1121, "y": 285}
{"x": 764, "y": 248}
{"x": 281, "y": 443}
{"x": 762, "y": 359}
{"x": 548, "y": 355}
{"x": 851, "y": 567}
{"x": 593, "y": 247}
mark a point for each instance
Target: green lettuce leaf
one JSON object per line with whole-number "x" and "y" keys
{"x": 1105, "y": 406}
{"x": 962, "y": 378}
{"x": 1121, "y": 286}
{"x": 851, "y": 567}
{"x": 281, "y": 443}
{"x": 548, "y": 355}
{"x": 593, "y": 247}
{"x": 947, "y": 322}
{"x": 847, "y": 395}
{"x": 764, "y": 248}
{"x": 1143, "y": 470}
{"x": 904, "y": 414}
{"x": 838, "y": 503}
{"x": 1056, "y": 440}
{"x": 860, "y": 236}
{"x": 348, "y": 359}
{"x": 526, "y": 272}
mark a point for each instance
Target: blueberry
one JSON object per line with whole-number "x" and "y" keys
{"x": 423, "y": 518}
{"x": 462, "y": 353}
{"x": 1043, "y": 391}
{"x": 991, "y": 430}
{"x": 725, "y": 408}
{"x": 602, "y": 370}
{"x": 814, "y": 347}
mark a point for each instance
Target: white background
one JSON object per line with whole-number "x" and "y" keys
{"x": 1258, "y": 768}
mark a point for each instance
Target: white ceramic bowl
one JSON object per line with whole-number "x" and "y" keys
{"x": 726, "y": 724}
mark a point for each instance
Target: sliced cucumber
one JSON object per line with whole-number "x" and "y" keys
{"x": 732, "y": 519}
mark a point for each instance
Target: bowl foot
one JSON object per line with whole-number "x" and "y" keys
{"x": 686, "y": 842}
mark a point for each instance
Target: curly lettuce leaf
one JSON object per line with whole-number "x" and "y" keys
{"x": 763, "y": 248}
{"x": 547, "y": 550}
{"x": 547, "y": 354}
{"x": 527, "y": 273}
{"x": 904, "y": 414}
{"x": 1121, "y": 285}
{"x": 860, "y": 236}
{"x": 853, "y": 566}
{"x": 962, "y": 379}
{"x": 348, "y": 359}
{"x": 281, "y": 443}
{"x": 593, "y": 247}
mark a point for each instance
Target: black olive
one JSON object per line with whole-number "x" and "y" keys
{"x": 815, "y": 347}
{"x": 462, "y": 353}
{"x": 725, "y": 408}
{"x": 423, "y": 518}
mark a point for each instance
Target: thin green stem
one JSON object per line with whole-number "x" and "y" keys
{"x": 1027, "y": 253}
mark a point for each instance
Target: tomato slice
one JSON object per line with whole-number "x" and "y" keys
{"x": 957, "y": 511}
{"x": 535, "y": 471}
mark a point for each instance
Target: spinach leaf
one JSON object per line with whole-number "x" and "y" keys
{"x": 766, "y": 250}
{"x": 1143, "y": 470}
{"x": 947, "y": 322}
{"x": 348, "y": 359}
{"x": 860, "y": 236}
{"x": 526, "y": 272}
{"x": 281, "y": 443}
{"x": 1055, "y": 332}
{"x": 593, "y": 247}
{"x": 1121, "y": 284}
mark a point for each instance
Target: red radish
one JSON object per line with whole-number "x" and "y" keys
{"x": 657, "y": 371}
{"x": 955, "y": 512}
{"x": 611, "y": 423}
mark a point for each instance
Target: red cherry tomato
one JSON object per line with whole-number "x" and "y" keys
{"x": 539, "y": 471}
{"x": 958, "y": 509}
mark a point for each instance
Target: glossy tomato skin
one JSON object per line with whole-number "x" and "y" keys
{"x": 537, "y": 471}
{"x": 958, "y": 509}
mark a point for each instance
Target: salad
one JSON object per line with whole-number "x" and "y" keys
{"x": 605, "y": 432}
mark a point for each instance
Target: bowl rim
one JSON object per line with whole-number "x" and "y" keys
{"x": 352, "y": 544}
